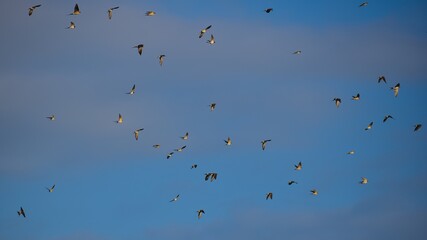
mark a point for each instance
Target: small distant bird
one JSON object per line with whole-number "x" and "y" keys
{"x": 351, "y": 152}
{"x": 417, "y": 127}
{"x": 120, "y": 119}
{"x": 180, "y": 149}
{"x": 51, "y": 118}
{"x": 356, "y": 98}
{"x": 72, "y": 26}
{"x": 203, "y": 31}
{"x": 136, "y": 133}
{"x": 193, "y": 166}
{"x": 31, "y": 9}
{"x": 337, "y": 101}
{"x": 369, "y": 126}
{"x": 314, "y": 192}
{"x": 161, "y": 59}
{"x": 150, "y": 13}
{"x": 156, "y": 146}
{"x": 211, "y": 41}
{"x": 185, "y": 137}
{"x": 212, "y": 176}
{"x": 364, "y": 180}
{"x": 132, "y": 91}
{"x": 212, "y": 106}
{"x": 396, "y": 89}
{"x": 292, "y": 182}
{"x": 199, "y": 213}
{"x": 76, "y": 10}
{"x": 363, "y": 4}
{"x": 139, "y": 47}
{"x": 298, "y": 167}
{"x": 264, "y": 143}
{"x": 21, "y": 212}
{"x": 51, "y": 188}
{"x": 269, "y": 195}
{"x": 175, "y": 198}
{"x": 228, "y": 141}
{"x": 268, "y": 10}
{"x": 297, "y": 52}
{"x": 387, "y": 117}
{"x": 382, "y": 78}
{"x": 169, "y": 155}
{"x": 110, "y": 12}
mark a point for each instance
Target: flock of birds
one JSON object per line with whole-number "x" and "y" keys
{"x": 212, "y": 176}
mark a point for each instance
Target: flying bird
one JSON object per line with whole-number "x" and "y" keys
{"x": 298, "y": 167}
{"x": 337, "y": 101}
{"x": 76, "y": 10}
{"x": 199, "y": 213}
{"x": 417, "y": 127}
{"x": 212, "y": 106}
{"x": 156, "y": 146}
{"x": 21, "y": 212}
{"x": 356, "y": 98}
{"x": 314, "y": 192}
{"x": 51, "y": 118}
{"x": 120, "y": 119}
{"x": 369, "y": 126}
{"x": 268, "y": 10}
{"x": 364, "y": 180}
{"x": 269, "y": 195}
{"x": 382, "y": 78}
{"x": 193, "y": 166}
{"x": 161, "y": 59}
{"x": 139, "y": 47}
{"x": 175, "y": 198}
{"x": 212, "y": 176}
{"x": 264, "y": 143}
{"x": 203, "y": 31}
{"x": 228, "y": 141}
{"x": 180, "y": 149}
{"x": 150, "y": 13}
{"x": 211, "y": 41}
{"x": 387, "y": 117}
{"x": 363, "y": 4}
{"x": 169, "y": 155}
{"x": 31, "y": 9}
{"x": 351, "y": 152}
{"x": 110, "y": 12}
{"x": 72, "y": 26}
{"x": 396, "y": 89}
{"x": 297, "y": 52}
{"x": 51, "y": 188}
{"x": 292, "y": 182}
{"x": 185, "y": 137}
{"x": 132, "y": 91}
{"x": 136, "y": 133}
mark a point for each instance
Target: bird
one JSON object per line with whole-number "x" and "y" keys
{"x": 211, "y": 41}
{"x": 387, "y": 117}
{"x": 364, "y": 4}
{"x": 156, "y": 146}
{"x": 269, "y": 195}
{"x": 292, "y": 182}
{"x": 396, "y": 89}
{"x": 150, "y": 13}
{"x": 298, "y": 167}
{"x": 417, "y": 127}
{"x": 31, "y": 9}
{"x": 199, "y": 213}
{"x": 175, "y": 198}
{"x": 110, "y": 12}
{"x": 268, "y": 10}
{"x": 72, "y": 26}
{"x": 161, "y": 58}
{"x": 136, "y": 133}
{"x": 212, "y": 106}
{"x": 76, "y": 10}
{"x": 264, "y": 143}
{"x": 212, "y": 176}
{"x": 314, "y": 192}
{"x": 193, "y": 166}
{"x": 351, "y": 152}
{"x": 356, "y": 98}
{"x": 120, "y": 119}
{"x": 297, "y": 52}
{"x": 185, "y": 137}
{"x": 169, "y": 155}
{"x": 369, "y": 126}
{"x": 228, "y": 141}
{"x": 139, "y": 47}
{"x": 21, "y": 212}
{"x": 364, "y": 180}
{"x": 180, "y": 149}
{"x": 382, "y": 78}
{"x": 132, "y": 91}
{"x": 203, "y": 31}
{"x": 337, "y": 101}
{"x": 51, "y": 188}
{"x": 51, "y": 118}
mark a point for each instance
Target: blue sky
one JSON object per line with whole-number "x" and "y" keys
{"x": 109, "y": 186}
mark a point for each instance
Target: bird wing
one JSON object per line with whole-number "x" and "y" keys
{"x": 76, "y": 8}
